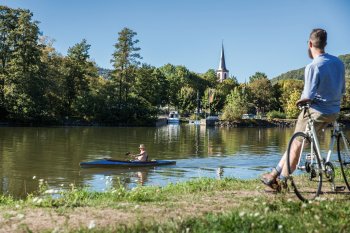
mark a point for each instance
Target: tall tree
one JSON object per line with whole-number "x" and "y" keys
{"x": 175, "y": 83}
{"x": 22, "y": 81}
{"x": 8, "y": 22}
{"x": 262, "y": 91}
{"x": 77, "y": 69}
{"x": 151, "y": 84}
{"x": 187, "y": 100}
{"x": 125, "y": 59}
{"x": 53, "y": 71}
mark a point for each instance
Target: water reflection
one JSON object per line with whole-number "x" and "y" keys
{"x": 53, "y": 154}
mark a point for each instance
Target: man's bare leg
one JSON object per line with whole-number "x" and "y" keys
{"x": 294, "y": 158}
{"x": 282, "y": 169}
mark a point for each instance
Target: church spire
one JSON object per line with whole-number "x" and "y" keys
{"x": 222, "y": 65}
{"x": 222, "y": 72}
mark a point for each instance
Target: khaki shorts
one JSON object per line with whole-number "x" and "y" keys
{"x": 321, "y": 120}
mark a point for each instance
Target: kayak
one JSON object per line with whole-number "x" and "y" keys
{"x": 123, "y": 163}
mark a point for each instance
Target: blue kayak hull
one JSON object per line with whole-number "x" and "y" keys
{"x": 121, "y": 163}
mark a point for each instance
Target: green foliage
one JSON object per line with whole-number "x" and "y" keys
{"x": 6, "y": 200}
{"x": 210, "y": 77}
{"x": 22, "y": 85}
{"x": 262, "y": 92}
{"x": 39, "y": 85}
{"x": 276, "y": 114}
{"x": 214, "y": 99}
{"x": 76, "y": 84}
{"x": 187, "y": 99}
{"x": 290, "y": 91}
{"x": 183, "y": 86}
{"x": 177, "y": 77}
{"x": 257, "y": 76}
{"x": 139, "y": 110}
{"x": 152, "y": 85}
{"x": 293, "y": 74}
{"x": 346, "y": 60}
{"x": 291, "y": 109}
{"x": 236, "y": 105}
{"x": 126, "y": 54}
{"x": 125, "y": 61}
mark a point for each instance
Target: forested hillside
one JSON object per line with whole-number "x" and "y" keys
{"x": 299, "y": 73}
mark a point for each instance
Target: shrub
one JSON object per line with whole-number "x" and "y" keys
{"x": 276, "y": 114}
{"x": 236, "y": 105}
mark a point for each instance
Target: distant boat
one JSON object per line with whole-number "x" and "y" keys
{"x": 194, "y": 122}
{"x": 173, "y": 117}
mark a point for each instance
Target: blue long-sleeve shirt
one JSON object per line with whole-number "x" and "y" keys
{"x": 325, "y": 83}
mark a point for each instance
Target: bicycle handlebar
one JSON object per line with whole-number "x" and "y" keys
{"x": 304, "y": 103}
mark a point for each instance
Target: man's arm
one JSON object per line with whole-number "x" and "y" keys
{"x": 311, "y": 82}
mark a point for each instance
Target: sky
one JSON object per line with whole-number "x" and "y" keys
{"x": 268, "y": 36}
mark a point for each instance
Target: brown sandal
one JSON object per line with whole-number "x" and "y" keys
{"x": 269, "y": 181}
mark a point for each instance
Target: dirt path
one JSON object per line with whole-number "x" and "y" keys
{"x": 126, "y": 214}
{"x": 61, "y": 220}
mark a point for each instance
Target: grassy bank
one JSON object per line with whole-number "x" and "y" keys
{"x": 203, "y": 205}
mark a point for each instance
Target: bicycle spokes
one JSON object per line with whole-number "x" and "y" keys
{"x": 344, "y": 157}
{"x": 307, "y": 175}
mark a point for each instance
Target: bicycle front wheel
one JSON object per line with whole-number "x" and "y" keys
{"x": 304, "y": 164}
{"x": 343, "y": 147}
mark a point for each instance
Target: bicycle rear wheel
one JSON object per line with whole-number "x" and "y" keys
{"x": 343, "y": 147}
{"x": 307, "y": 174}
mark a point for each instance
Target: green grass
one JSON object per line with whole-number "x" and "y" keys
{"x": 254, "y": 213}
{"x": 259, "y": 215}
{"x": 80, "y": 197}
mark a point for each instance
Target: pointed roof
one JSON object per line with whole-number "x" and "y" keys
{"x": 222, "y": 65}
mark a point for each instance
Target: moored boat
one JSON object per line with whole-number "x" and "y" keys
{"x": 123, "y": 163}
{"x": 173, "y": 117}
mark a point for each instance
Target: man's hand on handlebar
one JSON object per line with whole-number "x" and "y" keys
{"x": 303, "y": 102}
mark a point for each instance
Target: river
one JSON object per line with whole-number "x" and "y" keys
{"x": 29, "y": 154}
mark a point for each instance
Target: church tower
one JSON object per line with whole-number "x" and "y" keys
{"x": 222, "y": 72}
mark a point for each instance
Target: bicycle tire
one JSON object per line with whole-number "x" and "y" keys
{"x": 344, "y": 159}
{"x": 307, "y": 176}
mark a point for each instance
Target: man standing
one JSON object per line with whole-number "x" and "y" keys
{"x": 324, "y": 86}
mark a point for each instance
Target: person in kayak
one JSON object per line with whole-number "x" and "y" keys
{"x": 142, "y": 156}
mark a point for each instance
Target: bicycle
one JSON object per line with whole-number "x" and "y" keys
{"x": 306, "y": 176}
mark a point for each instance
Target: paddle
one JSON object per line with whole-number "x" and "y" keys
{"x": 126, "y": 154}
{"x": 130, "y": 154}
{"x": 109, "y": 157}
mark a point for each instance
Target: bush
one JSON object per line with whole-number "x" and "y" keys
{"x": 236, "y": 105}
{"x": 276, "y": 114}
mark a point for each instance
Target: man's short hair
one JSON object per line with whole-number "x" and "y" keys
{"x": 318, "y": 37}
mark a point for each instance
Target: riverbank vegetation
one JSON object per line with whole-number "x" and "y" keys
{"x": 202, "y": 205}
{"x": 40, "y": 85}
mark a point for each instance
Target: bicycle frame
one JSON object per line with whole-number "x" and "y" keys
{"x": 310, "y": 162}
{"x": 311, "y": 132}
